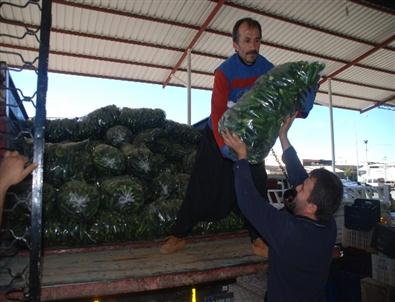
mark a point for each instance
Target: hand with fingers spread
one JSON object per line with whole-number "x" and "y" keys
{"x": 13, "y": 169}
{"x": 234, "y": 142}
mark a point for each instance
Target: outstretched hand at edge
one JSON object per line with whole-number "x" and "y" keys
{"x": 233, "y": 141}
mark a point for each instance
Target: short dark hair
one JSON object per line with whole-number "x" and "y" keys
{"x": 327, "y": 193}
{"x": 250, "y": 22}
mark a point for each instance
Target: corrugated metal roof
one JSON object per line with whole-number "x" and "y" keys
{"x": 147, "y": 40}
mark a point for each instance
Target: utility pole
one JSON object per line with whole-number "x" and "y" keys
{"x": 366, "y": 150}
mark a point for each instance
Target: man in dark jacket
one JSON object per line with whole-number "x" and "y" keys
{"x": 300, "y": 243}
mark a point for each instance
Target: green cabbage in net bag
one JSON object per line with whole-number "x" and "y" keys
{"x": 142, "y": 118}
{"x": 108, "y": 160}
{"x": 61, "y": 234}
{"x": 78, "y": 200}
{"x": 122, "y": 193}
{"x": 95, "y": 124}
{"x": 68, "y": 161}
{"x": 258, "y": 114}
{"x": 59, "y": 130}
{"x": 140, "y": 161}
{"x": 181, "y": 133}
{"x": 111, "y": 227}
{"x": 118, "y": 135}
{"x": 171, "y": 150}
{"x": 156, "y": 219}
{"x": 169, "y": 184}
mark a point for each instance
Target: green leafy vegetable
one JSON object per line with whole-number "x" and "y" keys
{"x": 140, "y": 119}
{"x": 140, "y": 161}
{"x": 108, "y": 160}
{"x": 258, "y": 114}
{"x": 118, "y": 135}
{"x": 59, "y": 130}
{"x": 78, "y": 200}
{"x": 68, "y": 161}
{"x": 123, "y": 193}
{"x": 95, "y": 124}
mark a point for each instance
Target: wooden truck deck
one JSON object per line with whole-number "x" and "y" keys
{"x": 137, "y": 267}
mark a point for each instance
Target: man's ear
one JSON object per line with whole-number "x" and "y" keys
{"x": 236, "y": 47}
{"x": 311, "y": 208}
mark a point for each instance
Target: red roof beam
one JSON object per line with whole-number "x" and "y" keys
{"x": 194, "y": 40}
{"x": 361, "y": 57}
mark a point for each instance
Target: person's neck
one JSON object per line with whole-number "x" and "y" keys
{"x": 307, "y": 215}
{"x": 242, "y": 61}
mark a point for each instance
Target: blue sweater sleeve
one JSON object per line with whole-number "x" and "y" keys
{"x": 296, "y": 173}
{"x": 267, "y": 220}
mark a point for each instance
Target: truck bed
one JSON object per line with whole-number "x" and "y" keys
{"x": 138, "y": 267}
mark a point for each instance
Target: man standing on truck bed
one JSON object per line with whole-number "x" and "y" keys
{"x": 210, "y": 194}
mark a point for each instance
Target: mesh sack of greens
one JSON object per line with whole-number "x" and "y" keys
{"x": 230, "y": 223}
{"x": 17, "y": 209}
{"x": 78, "y": 200}
{"x": 148, "y": 137}
{"x": 171, "y": 150}
{"x": 50, "y": 206}
{"x": 61, "y": 130}
{"x": 181, "y": 133}
{"x": 148, "y": 224}
{"x": 95, "y": 124}
{"x": 164, "y": 185}
{"x": 140, "y": 161}
{"x": 166, "y": 213}
{"x": 188, "y": 161}
{"x": 258, "y": 114}
{"x": 122, "y": 193}
{"x": 110, "y": 227}
{"x": 108, "y": 160}
{"x": 142, "y": 118}
{"x": 18, "y": 201}
{"x": 66, "y": 234}
{"x": 68, "y": 161}
{"x": 118, "y": 135}
{"x": 182, "y": 180}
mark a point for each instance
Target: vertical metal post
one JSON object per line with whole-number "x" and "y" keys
{"x": 38, "y": 157}
{"x": 331, "y": 125}
{"x": 189, "y": 88}
{"x": 366, "y": 151}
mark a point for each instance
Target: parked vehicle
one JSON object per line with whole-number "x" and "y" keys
{"x": 377, "y": 174}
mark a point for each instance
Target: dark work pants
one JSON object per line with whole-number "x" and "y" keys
{"x": 211, "y": 192}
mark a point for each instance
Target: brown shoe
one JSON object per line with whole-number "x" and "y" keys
{"x": 260, "y": 248}
{"x": 173, "y": 244}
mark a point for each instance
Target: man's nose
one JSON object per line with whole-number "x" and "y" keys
{"x": 298, "y": 188}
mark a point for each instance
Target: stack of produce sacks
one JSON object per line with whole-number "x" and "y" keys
{"x": 121, "y": 174}
{"x": 114, "y": 175}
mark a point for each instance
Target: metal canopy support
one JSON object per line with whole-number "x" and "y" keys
{"x": 34, "y": 294}
{"x": 189, "y": 88}
{"x": 195, "y": 39}
{"x": 360, "y": 58}
{"x": 331, "y": 125}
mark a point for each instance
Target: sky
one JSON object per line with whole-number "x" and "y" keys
{"x": 75, "y": 96}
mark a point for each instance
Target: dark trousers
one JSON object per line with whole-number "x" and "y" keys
{"x": 211, "y": 192}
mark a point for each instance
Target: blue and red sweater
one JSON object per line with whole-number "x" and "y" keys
{"x": 231, "y": 79}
